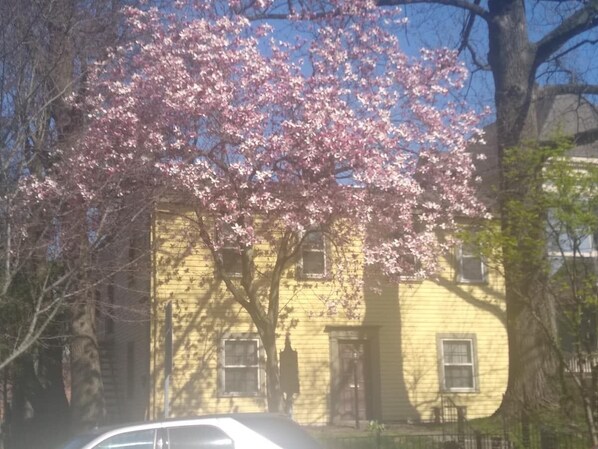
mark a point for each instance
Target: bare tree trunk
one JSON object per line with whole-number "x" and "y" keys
{"x": 265, "y": 319}
{"x": 87, "y": 395}
{"x": 589, "y": 411}
{"x": 530, "y": 312}
{"x": 266, "y": 327}
{"x": 87, "y": 401}
{"x": 274, "y": 394}
{"x": 39, "y": 408}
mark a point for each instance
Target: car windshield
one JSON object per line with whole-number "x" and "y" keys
{"x": 281, "y": 431}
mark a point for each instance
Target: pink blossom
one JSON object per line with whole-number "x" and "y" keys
{"x": 239, "y": 125}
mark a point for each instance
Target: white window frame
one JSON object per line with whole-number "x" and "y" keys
{"x": 259, "y": 366}
{"x": 461, "y": 256}
{"x": 323, "y": 251}
{"x": 473, "y": 364}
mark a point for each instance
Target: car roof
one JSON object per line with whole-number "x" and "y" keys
{"x": 184, "y": 420}
{"x": 278, "y": 429}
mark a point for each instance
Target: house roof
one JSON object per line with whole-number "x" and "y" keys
{"x": 557, "y": 115}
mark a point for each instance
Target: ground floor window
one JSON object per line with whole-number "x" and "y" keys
{"x": 458, "y": 370}
{"x": 241, "y": 370}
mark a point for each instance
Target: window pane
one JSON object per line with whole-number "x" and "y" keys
{"x": 241, "y": 380}
{"x": 458, "y": 377}
{"x": 457, "y": 351}
{"x": 231, "y": 260}
{"x": 314, "y": 240}
{"x": 563, "y": 239}
{"x": 142, "y": 439}
{"x": 472, "y": 269}
{"x": 581, "y": 244}
{"x": 410, "y": 265}
{"x": 314, "y": 262}
{"x": 198, "y": 437}
{"x": 470, "y": 250}
{"x": 240, "y": 352}
{"x": 240, "y": 369}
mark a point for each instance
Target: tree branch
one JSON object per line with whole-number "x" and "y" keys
{"x": 586, "y": 137}
{"x": 466, "y": 32}
{"x": 474, "y": 58}
{"x": 474, "y": 8}
{"x": 575, "y": 47}
{"x": 579, "y": 22}
{"x": 563, "y": 89}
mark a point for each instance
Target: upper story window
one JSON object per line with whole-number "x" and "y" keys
{"x": 458, "y": 364}
{"x": 574, "y": 247}
{"x": 470, "y": 264}
{"x": 240, "y": 366}
{"x": 314, "y": 261}
{"x": 566, "y": 240}
{"x": 231, "y": 253}
{"x": 411, "y": 268}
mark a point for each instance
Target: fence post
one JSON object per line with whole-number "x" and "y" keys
{"x": 461, "y": 423}
{"x": 525, "y": 429}
{"x": 478, "y": 439}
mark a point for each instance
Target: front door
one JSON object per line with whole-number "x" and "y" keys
{"x": 353, "y": 384}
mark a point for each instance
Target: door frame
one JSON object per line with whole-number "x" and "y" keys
{"x": 369, "y": 336}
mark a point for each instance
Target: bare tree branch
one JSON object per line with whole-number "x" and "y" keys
{"x": 466, "y": 32}
{"x": 579, "y": 22}
{"x": 586, "y": 137}
{"x": 474, "y": 8}
{"x": 562, "y": 89}
{"x": 474, "y": 58}
{"x": 574, "y": 47}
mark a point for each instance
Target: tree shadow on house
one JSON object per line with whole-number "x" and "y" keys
{"x": 383, "y": 311}
{"x": 410, "y": 317}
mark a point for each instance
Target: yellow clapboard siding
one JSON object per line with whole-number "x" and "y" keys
{"x": 407, "y": 319}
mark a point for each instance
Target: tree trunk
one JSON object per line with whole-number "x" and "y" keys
{"x": 530, "y": 312}
{"x": 87, "y": 394}
{"x": 266, "y": 328}
{"x": 274, "y": 394}
{"x": 39, "y": 409}
{"x": 52, "y": 406}
{"x": 87, "y": 401}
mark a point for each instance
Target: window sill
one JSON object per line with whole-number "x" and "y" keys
{"x": 411, "y": 279}
{"x": 461, "y": 391}
{"x": 472, "y": 281}
{"x": 230, "y": 275}
{"x": 314, "y": 277}
{"x": 240, "y": 395}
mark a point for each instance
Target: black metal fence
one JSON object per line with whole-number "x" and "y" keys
{"x": 452, "y": 430}
{"x": 537, "y": 439}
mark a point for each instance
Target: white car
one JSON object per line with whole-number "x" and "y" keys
{"x": 234, "y": 431}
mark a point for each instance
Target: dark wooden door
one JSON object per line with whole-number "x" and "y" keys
{"x": 353, "y": 380}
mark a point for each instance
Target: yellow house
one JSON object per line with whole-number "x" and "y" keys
{"x": 414, "y": 346}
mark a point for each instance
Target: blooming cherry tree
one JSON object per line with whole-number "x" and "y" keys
{"x": 271, "y": 139}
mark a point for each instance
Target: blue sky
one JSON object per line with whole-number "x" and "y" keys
{"x": 436, "y": 25}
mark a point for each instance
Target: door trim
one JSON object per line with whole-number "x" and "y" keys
{"x": 369, "y": 335}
